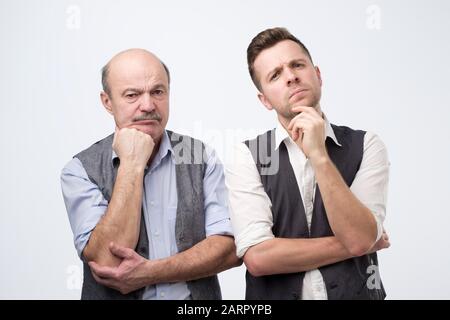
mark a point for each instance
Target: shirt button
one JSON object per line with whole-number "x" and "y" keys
{"x": 152, "y": 203}
{"x": 156, "y": 233}
{"x": 163, "y": 294}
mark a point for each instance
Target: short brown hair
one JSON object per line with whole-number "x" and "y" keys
{"x": 267, "y": 39}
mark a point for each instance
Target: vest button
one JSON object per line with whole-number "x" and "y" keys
{"x": 295, "y": 295}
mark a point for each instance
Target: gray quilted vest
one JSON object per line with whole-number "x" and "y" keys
{"x": 190, "y": 219}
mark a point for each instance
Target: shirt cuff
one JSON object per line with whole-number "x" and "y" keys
{"x": 81, "y": 242}
{"x": 379, "y": 227}
{"x": 255, "y": 234}
{"x": 222, "y": 227}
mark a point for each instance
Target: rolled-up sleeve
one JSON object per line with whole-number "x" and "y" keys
{"x": 217, "y": 217}
{"x": 370, "y": 185}
{"x": 250, "y": 206}
{"x": 84, "y": 202}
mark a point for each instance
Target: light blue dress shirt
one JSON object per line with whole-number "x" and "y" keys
{"x": 86, "y": 205}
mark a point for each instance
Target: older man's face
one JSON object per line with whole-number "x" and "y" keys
{"x": 139, "y": 93}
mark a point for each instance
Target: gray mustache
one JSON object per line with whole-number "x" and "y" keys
{"x": 148, "y": 116}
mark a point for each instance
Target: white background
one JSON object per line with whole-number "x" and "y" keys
{"x": 387, "y": 75}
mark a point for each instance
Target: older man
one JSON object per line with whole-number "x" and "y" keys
{"x": 308, "y": 198}
{"x": 147, "y": 206}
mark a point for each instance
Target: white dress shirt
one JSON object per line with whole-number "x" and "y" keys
{"x": 250, "y": 206}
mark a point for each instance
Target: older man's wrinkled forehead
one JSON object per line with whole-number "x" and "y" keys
{"x": 136, "y": 67}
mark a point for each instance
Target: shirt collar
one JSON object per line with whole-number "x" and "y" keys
{"x": 164, "y": 148}
{"x": 281, "y": 133}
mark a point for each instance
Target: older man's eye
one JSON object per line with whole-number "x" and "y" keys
{"x": 131, "y": 95}
{"x": 158, "y": 92}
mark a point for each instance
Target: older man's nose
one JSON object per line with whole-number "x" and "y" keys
{"x": 147, "y": 103}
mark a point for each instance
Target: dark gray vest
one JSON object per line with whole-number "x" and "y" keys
{"x": 344, "y": 280}
{"x": 190, "y": 220}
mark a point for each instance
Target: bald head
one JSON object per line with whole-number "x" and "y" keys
{"x": 123, "y": 62}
